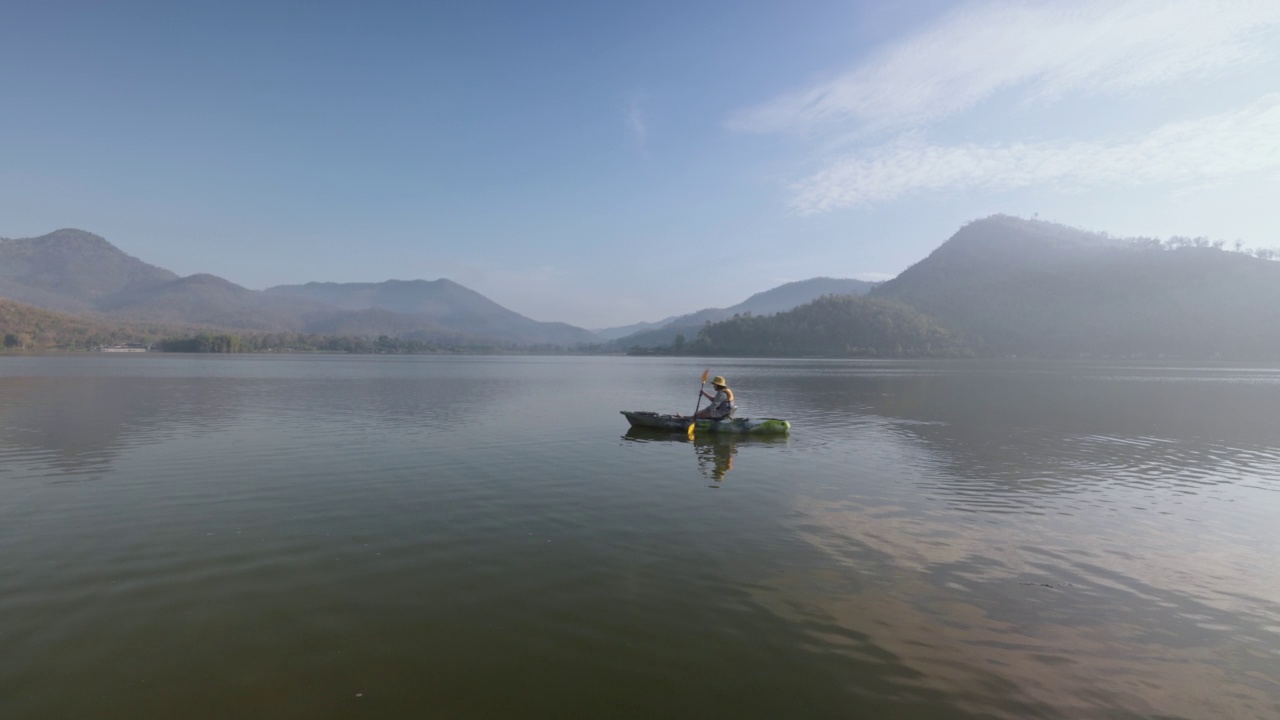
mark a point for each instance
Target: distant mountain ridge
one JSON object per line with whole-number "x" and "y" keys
{"x": 204, "y": 299}
{"x": 443, "y": 303}
{"x": 779, "y": 299}
{"x": 999, "y": 286}
{"x": 76, "y": 272}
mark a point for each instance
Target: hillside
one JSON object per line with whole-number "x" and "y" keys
{"x": 1037, "y": 288}
{"x": 23, "y": 327}
{"x": 376, "y": 322}
{"x": 831, "y": 326}
{"x": 779, "y": 299}
{"x": 439, "y": 304}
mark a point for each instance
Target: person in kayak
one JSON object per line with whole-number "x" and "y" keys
{"x": 722, "y": 404}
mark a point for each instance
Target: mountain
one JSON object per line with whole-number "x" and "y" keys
{"x": 1007, "y": 285}
{"x": 79, "y": 273}
{"x": 439, "y": 304}
{"x": 779, "y": 299}
{"x": 209, "y": 300}
{"x": 73, "y": 268}
{"x": 1038, "y": 288}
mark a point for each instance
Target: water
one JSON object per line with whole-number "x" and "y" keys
{"x": 311, "y": 537}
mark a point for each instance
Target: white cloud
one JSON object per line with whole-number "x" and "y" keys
{"x": 1045, "y": 50}
{"x": 1203, "y": 150}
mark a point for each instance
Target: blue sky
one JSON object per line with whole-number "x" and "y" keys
{"x": 606, "y": 163}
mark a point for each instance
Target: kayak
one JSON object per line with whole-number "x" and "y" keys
{"x": 706, "y": 439}
{"x": 680, "y": 423}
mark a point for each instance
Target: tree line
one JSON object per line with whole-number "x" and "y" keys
{"x": 1178, "y": 242}
{"x": 212, "y": 342}
{"x": 831, "y": 326}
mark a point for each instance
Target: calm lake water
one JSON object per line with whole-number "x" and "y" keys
{"x": 332, "y": 536}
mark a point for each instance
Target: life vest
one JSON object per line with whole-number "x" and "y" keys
{"x": 727, "y": 406}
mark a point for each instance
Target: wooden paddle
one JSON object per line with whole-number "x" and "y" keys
{"x": 702, "y": 387}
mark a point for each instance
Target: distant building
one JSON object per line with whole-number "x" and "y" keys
{"x": 126, "y": 347}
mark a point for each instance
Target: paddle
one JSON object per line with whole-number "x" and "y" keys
{"x": 702, "y": 387}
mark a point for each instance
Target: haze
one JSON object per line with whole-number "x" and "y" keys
{"x": 602, "y": 164}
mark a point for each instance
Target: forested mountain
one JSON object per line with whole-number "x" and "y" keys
{"x": 80, "y": 273}
{"x": 439, "y": 304}
{"x": 1038, "y": 288}
{"x": 779, "y": 299}
{"x": 71, "y": 270}
{"x": 23, "y": 327}
{"x": 831, "y": 326}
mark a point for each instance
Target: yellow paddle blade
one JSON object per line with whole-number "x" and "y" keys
{"x": 690, "y": 431}
{"x": 705, "y": 373}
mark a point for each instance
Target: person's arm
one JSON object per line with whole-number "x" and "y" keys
{"x": 705, "y": 395}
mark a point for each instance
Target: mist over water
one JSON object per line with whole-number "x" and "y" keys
{"x": 334, "y": 536}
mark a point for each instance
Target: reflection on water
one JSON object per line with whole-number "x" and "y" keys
{"x": 715, "y": 452}
{"x": 715, "y": 457}
{"x": 467, "y": 537}
{"x": 74, "y": 426}
{"x": 1094, "y": 542}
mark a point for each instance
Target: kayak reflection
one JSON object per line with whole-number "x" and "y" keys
{"x": 715, "y": 452}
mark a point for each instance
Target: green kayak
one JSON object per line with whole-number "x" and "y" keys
{"x": 680, "y": 423}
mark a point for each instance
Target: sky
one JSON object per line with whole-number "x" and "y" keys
{"x": 607, "y": 163}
